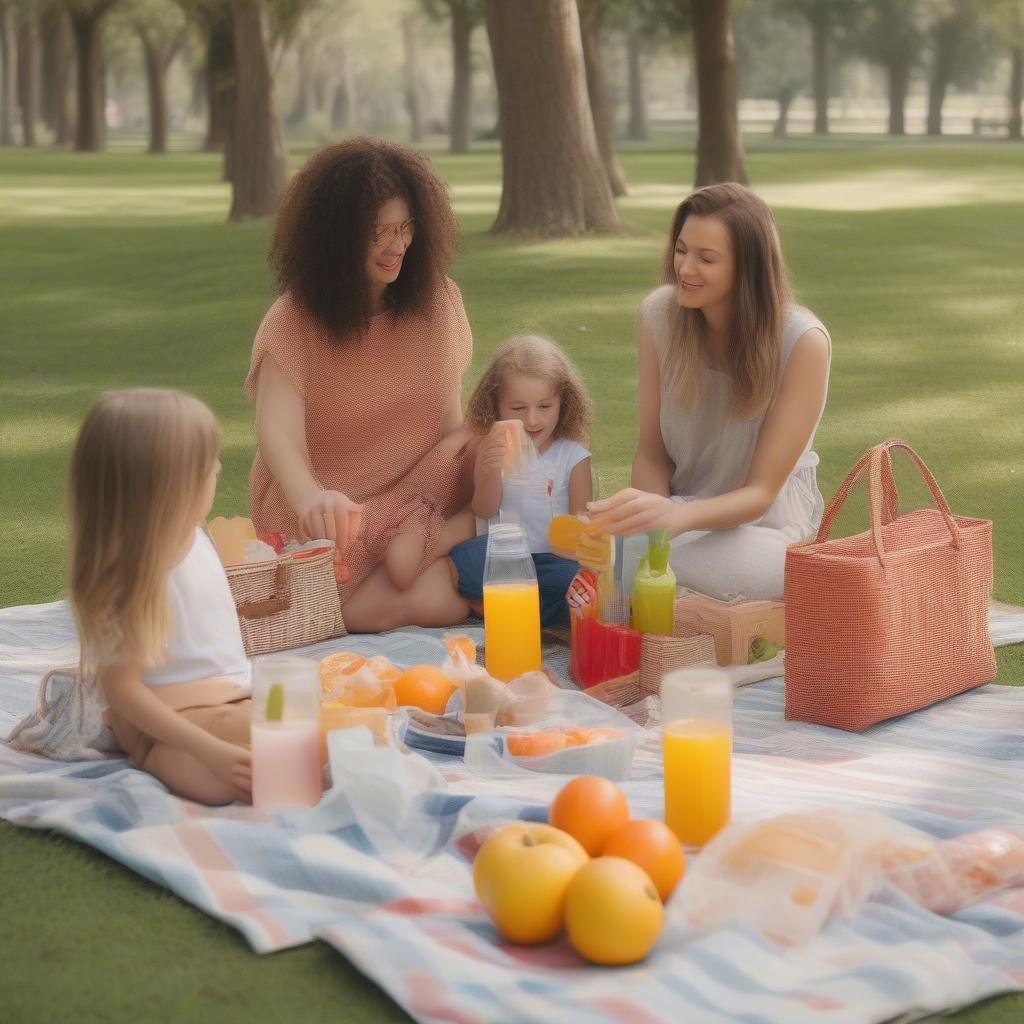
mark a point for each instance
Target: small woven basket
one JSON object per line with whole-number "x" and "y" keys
{"x": 286, "y": 602}
{"x": 661, "y": 654}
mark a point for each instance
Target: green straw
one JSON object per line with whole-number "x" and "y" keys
{"x": 658, "y": 551}
{"x": 275, "y": 703}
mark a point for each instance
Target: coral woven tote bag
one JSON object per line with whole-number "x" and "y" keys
{"x": 890, "y": 620}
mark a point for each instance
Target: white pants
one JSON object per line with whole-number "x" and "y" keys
{"x": 747, "y": 561}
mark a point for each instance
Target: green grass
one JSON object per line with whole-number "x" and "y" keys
{"x": 119, "y": 269}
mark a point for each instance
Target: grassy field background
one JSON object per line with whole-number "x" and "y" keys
{"x": 119, "y": 269}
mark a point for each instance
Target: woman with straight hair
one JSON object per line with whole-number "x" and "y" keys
{"x": 733, "y": 376}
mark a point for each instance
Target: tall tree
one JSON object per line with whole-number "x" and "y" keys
{"x": 56, "y": 78}
{"x": 28, "y": 74}
{"x": 960, "y": 45}
{"x": 1008, "y": 16}
{"x": 9, "y": 72}
{"x": 465, "y": 16}
{"x": 638, "y": 127}
{"x": 258, "y": 156}
{"x": 773, "y": 63}
{"x": 719, "y": 145}
{"x": 892, "y": 34}
{"x": 413, "y": 104}
{"x": 87, "y": 28}
{"x": 591, "y": 14}
{"x": 553, "y": 179}
{"x": 158, "y": 51}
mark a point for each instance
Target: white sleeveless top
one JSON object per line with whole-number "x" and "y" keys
{"x": 205, "y": 640}
{"x": 710, "y": 448}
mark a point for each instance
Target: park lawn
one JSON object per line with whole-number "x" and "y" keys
{"x": 119, "y": 269}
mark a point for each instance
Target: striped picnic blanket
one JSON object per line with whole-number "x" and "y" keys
{"x": 380, "y": 869}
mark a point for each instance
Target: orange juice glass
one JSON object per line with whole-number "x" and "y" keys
{"x": 696, "y": 714}
{"x": 512, "y": 628}
{"x": 511, "y": 604}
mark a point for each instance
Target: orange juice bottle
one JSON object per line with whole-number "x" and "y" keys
{"x": 696, "y": 713}
{"x": 511, "y": 604}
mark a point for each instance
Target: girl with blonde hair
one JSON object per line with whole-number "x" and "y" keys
{"x": 155, "y": 617}
{"x": 532, "y": 380}
{"x": 733, "y": 377}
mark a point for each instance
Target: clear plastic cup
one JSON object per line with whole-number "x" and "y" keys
{"x": 285, "y": 733}
{"x": 696, "y": 724}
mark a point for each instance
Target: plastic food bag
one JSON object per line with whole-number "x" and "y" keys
{"x": 546, "y": 729}
{"x": 786, "y": 876}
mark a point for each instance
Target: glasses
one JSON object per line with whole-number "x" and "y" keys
{"x": 406, "y": 230}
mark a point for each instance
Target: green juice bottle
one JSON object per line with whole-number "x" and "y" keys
{"x": 654, "y": 588}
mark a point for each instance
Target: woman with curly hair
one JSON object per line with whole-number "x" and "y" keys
{"x": 733, "y": 377}
{"x": 356, "y": 374}
{"x": 531, "y": 380}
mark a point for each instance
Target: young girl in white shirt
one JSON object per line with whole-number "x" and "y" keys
{"x": 156, "y": 620}
{"x": 532, "y": 380}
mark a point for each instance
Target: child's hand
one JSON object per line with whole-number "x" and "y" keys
{"x": 231, "y": 764}
{"x": 491, "y": 454}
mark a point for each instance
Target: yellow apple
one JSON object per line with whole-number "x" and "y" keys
{"x": 520, "y": 875}
{"x": 612, "y": 911}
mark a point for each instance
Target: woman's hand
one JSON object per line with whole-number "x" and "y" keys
{"x": 332, "y": 515}
{"x": 231, "y": 764}
{"x": 633, "y": 511}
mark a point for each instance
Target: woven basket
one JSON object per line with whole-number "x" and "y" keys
{"x": 661, "y": 654}
{"x": 890, "y": 620}
{"x": 286, "y": 602}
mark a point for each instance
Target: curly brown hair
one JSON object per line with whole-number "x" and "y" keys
{"x": 536, "y": 357}
{"x": 324, "y": 228}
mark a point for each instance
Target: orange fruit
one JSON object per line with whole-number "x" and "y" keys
{"x": 653, "y": 846}
{"x": 535, "y": 744}
{"x": 426, "y": 687}
{"x": 382, "y": 668}
{"x": 590, "y": 809}
{"x": 335, "y": 667}
{"x": 459, "y": 642}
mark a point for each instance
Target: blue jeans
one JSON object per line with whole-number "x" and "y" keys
{"x": 554, "y": 574}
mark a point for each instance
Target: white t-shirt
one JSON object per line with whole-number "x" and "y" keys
{"x": 205, "y": 640}
{"x": 556, "y": 466}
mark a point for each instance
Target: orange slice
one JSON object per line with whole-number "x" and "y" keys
{"x": 564, "y": 534}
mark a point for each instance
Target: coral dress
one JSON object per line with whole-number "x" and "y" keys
{"x": 374, "y": 419}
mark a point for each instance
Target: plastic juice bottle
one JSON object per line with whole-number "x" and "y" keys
{"x": 286, "y": 734}
{"x": 654, "y": 588}
{"x": 697, "y": 750}
{"x": 511, "y": 604}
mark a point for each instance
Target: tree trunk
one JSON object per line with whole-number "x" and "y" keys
{"x": 461, "y": 115}
{"x": 719, "y": 146}
{"x": 819, "y": 46}
{"x": 590, "y": 12}
{"x": 49, "y": 58}
{"x": 787, "y": 94}
{"x": 219, "y": 72}
{"x": 63, "y": 91}
{"x": 304, "y": 73}
{"x": 90, "y": 125}
{"x": 638, "y": 128}
{"x": 259, "y": 160}
{"x": 343, "y": 105}
{"x": 942, "y": 70}
{"x": 553, "y": 180}
{"x": 156, "y": 63}
{"x": 9, "y": 71}
{"x": 410, "y": 46}
{"x": 1016, "y": 92}
{"x": 899, "y": 81}
{"x": 28, "y": 77}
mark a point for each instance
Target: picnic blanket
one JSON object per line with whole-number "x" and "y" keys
{"x": 380, "y": 869}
